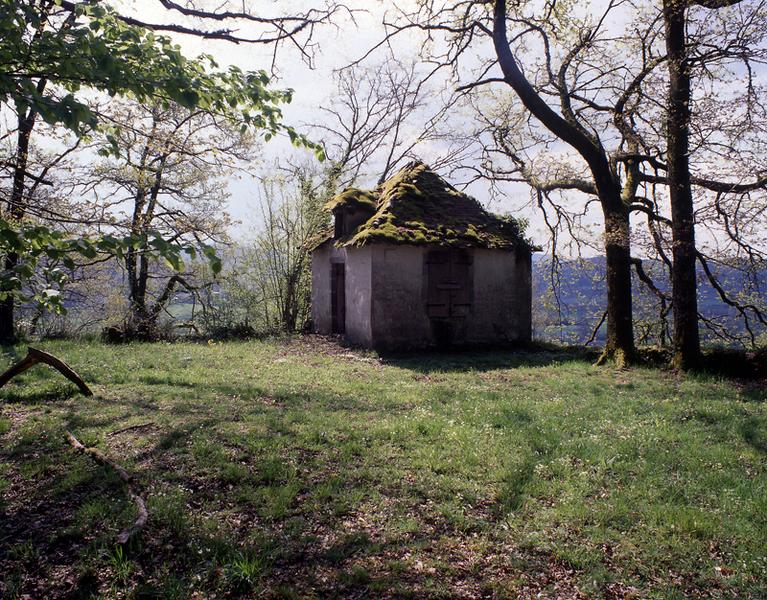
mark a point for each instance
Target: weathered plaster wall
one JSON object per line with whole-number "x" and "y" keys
{"x": 501, "y": 308}
{"x": 386, "y": 296}
{"x": 523, "y": 296}
{"x": 398, "y": 297}
{"x": 500, "y": 292}
{"x": 358, "y": 290}
{"x": 358, "y": 295}
{"x": 321, "y": 317}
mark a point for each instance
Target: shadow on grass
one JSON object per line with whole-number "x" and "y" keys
{"x": 18, "y": 393}
{"x": 168, "y": 380}
{"x": 12, "y": 352}
{"x": 539, "y": 447}
{"x": 755, "y": 434}
{"x": 39, "y": 538}
{"x": 178, "y": 436}
{"x": 76, "y": 420}
{"x": 732, "y": 363}
{"x": 347, "y": 546}
{"x": 755, "y": 392}
{"x": 137, "y": 402}
{"x": 458, "y": 361}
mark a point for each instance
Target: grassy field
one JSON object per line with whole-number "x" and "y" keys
{"x": 297, "y": 468}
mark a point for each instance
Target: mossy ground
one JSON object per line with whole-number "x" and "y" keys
{"x": 297, "y": 468}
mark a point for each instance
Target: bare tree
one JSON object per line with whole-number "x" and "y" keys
{"x": 587, "y": 86}
{"x": 679, "y": 114}
{"x": 278, "y": 261}
{"x": 374, "y": 122}
{"x": 380, "y": 117}
{"x": 557, "y": 98}
{"x": 170, "y": 177}
{"x": 265, "y": 23}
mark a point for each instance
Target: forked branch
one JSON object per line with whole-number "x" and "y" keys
{"x": 35, "y": 356}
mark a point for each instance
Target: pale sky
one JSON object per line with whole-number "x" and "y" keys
{"x": 338, "y": 44}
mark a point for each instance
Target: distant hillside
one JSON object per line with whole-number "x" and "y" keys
{"x": 582, "y": 298}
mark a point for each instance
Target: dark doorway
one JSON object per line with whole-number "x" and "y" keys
{"x": 338, "y": 297}
{"x": 448, "y": 296}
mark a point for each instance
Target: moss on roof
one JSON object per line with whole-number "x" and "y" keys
{"x": 323, "y": 235}
{"x": 417, "y": 206}
{"x": 354, "y": 198}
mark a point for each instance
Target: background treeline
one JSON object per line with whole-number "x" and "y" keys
{"x": 632, "y": 137}
{"x": 262, "y": 293}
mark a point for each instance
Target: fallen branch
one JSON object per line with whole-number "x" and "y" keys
{"x": 125, "y": 535}
{"x": 35, "y": 356}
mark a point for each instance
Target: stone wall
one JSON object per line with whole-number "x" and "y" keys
{"x": 386, "y": 289}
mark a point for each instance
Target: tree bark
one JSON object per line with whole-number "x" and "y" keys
{"x": 7, "y": 310}
{"x": 684, "y": 291}
{"x": 620, "y": 329}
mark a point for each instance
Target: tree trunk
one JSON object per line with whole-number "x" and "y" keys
{"x": 290, "y": 309}
{"x": 7, "y": 306}
{"x": 140, "y": 324}
{"x": 16, "y": 212}
{"x": 620, "y": 328}
{"x": 684, "y": 291}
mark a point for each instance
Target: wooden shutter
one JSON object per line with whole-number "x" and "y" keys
{"x": 438, "y": 272}
{"x": 448, "y": 283}
{"x": 460, "y": 292}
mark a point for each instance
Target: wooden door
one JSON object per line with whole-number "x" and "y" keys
{"x": 448, "y": 283}
{"x": 437, "y": 272}
{"x": 338, "y": 297}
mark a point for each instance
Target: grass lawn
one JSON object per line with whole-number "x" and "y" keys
{"x": 297, "y": 468}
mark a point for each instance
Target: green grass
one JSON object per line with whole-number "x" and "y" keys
{"x": 298, "y": 469}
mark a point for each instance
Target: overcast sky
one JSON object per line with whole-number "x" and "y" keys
{"x": 337, "y": 45}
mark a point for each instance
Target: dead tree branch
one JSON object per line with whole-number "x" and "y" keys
{"x": 141, "y": 519}
{"x": 35, "y": 356}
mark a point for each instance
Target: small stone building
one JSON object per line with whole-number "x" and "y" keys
{"x": 417, "y": 263}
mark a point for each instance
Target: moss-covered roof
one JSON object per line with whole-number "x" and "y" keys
{"x": 417, "y": 206}
{"x": 353, "y": 198}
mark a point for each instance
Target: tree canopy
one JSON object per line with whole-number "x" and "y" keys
{"x": 55, "y": 58}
